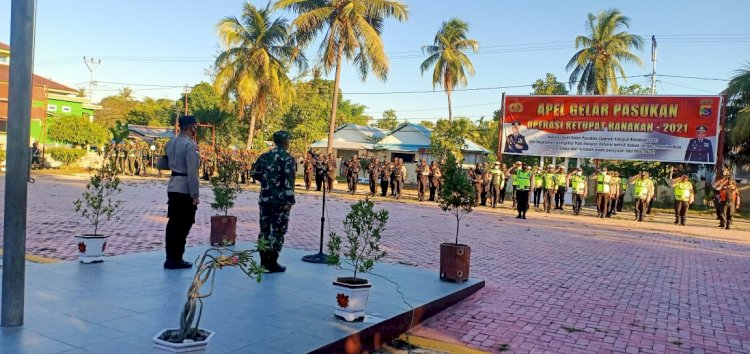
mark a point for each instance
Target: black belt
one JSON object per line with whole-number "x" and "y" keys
{"x": 176, "y": 174}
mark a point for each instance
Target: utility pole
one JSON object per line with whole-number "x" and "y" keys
{"x": 186, "y": 99}
{"x": 91, "y": 64}
{"x": 22, "y": 27}
{"x": 653, "y": 65}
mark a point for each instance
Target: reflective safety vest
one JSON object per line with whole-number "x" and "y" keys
{"x": 561, "y": 180}
{"x": 578, "y": 183}
{"x": 641, "y": 188}
{"x": 682, "y": 191}
{"x": 497, "y": 176}
{"x": 602, "y": 183}
{"x": 549, "y": 180}
{"x": 623, "y": 185}
{"x": 538, "y": 180}
{"x": 522, "y": 180}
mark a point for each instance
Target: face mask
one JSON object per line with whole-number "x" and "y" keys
{"x": 579, "y": 173}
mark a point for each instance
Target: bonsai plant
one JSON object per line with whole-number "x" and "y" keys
{"x": 457, "y": 197}
{"x": 96, "y": 206}
{"x": 189, "y": 337}
{"x": 225, "y": 187}
{"x": 363, "y": 227}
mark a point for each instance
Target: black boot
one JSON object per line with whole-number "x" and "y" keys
{"x": 682, "y": 220}
{"x": 273, "y": 264}
{"x": 676, "y": 220}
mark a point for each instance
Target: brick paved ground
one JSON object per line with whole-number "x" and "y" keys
{"x": 555, "y": 283}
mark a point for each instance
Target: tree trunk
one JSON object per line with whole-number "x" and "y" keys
{"x": 450, "y": 109}
{"x": 332, "y": 122}
{"x": 251, "y": 131}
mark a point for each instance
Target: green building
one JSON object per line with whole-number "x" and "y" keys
{"x": 49, "y": 99}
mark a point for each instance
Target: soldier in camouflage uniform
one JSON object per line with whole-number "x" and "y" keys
{"x": 275, "y": 170}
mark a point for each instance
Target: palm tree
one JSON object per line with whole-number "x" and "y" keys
{"x": 351, "y": 30}
{"x": 597, "y": 63}
{"x": 447, "y": 55}
{"x": 253, "y": 67}
{"x": 738, "y": 109}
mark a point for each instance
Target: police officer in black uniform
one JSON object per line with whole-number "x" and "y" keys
{"x": 699, "y": 149}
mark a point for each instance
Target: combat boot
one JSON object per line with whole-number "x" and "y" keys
{"x": 682, "y": 220}
{"x": 676, "y": 220}
{"x": 273, "y": 265}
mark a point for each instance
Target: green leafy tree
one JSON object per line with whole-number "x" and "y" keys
{"x": 77, "y": 131}
{"x": 351, "y": 30}
{"x": 448, "y": 137}
{"x": 225, "y": 185}
{"x": 549, "y": 86}
{"x": 634, "y": 89}
{"x": 427, "y": 124}
{"x": 114, "y": 108}
{"x": 152, "y": 112}
{"x": 253, "y": 66}
{"x": 447, "y": 56}
{"x": 738, "y": 116}
{"x": 457, "y": 195}
{"x": 207, "y": 107}
{"x": 388, "y": 121}
{"x": 601, "y": 52}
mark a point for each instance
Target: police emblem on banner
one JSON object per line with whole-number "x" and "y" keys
{"x": 705, "y": 108}
{"x": 515, "y": 107}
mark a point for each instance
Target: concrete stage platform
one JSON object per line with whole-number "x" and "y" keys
{"x": 117, "y": 306}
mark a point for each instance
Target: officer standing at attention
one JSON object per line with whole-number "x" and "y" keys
{"x": 614, "y": 192}
{"x": 275, "y": 169}
{"x": 602, "y": 191}
{"x": 497, "y": 176}
{"x": 550, "y": 187}
{"x": 309, "y": 169}
{"x": 623, "y": 190}
{"x": 683, "y": 197}
{"x": 320, "y": 171}
{"x": 373, "y": 172}
{"x": 423, "y": 179}
{"x": 699, "y": 148}
{"x": 331, "y": 169}
{"x": 436, "y": 180}
{"x": 385, "y": 177}
{"x": 182, "y": 192}
{"x": 523, "y": 178}
{"x": 579, "y": 188}
{"x": 643, "y": 191}
{"x": 561, "y": 179}
{"x": 729, "y": 198}
{"x": 538, "y": 186}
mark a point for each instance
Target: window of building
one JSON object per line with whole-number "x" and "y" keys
{"x": 52, "y": 108}
{"x": 66, "y": 109}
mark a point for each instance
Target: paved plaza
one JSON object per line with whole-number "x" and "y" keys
{"x": 554, "y": 283}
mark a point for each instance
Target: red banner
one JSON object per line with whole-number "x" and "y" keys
{"x": 663, "y": 128}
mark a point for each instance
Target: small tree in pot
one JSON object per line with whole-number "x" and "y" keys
{"x": 190, "y": 337}
{"x": 457, "y": 197}
{"x": 96, "y": 206}
{"x": 363, "y": 227}
{"x": 226, "y": 188}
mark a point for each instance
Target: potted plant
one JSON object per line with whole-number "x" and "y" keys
{"x": 363, "y": 228}
{"x": 226, "y": 187}
{"x": 97, "y": 206}
{"x": 190, "y": 337}
{"x": 457, "y": 197}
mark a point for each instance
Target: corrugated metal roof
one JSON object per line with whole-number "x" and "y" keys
{"x": 151, "y": 132}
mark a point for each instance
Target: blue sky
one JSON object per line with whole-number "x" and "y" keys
{"x": 520, "y": 42}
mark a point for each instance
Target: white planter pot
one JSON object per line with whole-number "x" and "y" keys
{"x": 351, "y": 299}
{"x": 163, "y": 346}
{"x": 91, "y": 248}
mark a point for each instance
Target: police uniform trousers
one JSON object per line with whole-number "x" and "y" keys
{"x": 181, "y": 214}
{"x": 538, "y": 196}
{"x": 620, "y": 201}
{"x": 384, "y": 187}
{"x": 398, "y": 183}
{"x": 640, "y": 208}
{"x": 680, "y": 211}
{"x": 479, "y": 189}
{"x": 434, "y": 185}
{"x": 274, "y": 220}
{"x": 577, "y": 203}
{"x": 502, "y": 194}
{"x": 319, "y": 181}
{"x": 549, "y": 195}
{"x": 329, "y": 182}
{"x": 494, "y": 194}
{"x": 308, "y": 180}
{"x": 393, "y": 184}
{"x": 522, "y": 201}
{"x": 560, "y": 197}
{"x": 423, "y": 183}
{"x": 373, "y": 184}
{"x": 727, "y": 212}
{"x": 513, "y": 196}
{"x": 612, "y": 207}
{"x": 602, "y": 203}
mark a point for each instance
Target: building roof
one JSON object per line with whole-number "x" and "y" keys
{"x": 37, "y": 81}
{"x": 353, "y": 137}
{"x": 407, "y": 137}
{"x": 150, "y": 133}
{"x": 4, "y": 47}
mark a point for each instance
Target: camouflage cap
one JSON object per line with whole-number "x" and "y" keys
{"x": 281, "y": 135}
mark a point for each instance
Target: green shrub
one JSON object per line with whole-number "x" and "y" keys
{"x": 66, "y": 156}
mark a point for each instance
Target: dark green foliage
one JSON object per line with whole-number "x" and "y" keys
{"x": 388, "y": 121}
{"x": 119, "y": 132}
{"x": 225, "y": 185}
{"x": 96, "y": 204}
{"x": 363, "y": 227}
{"x": 549, "y": 86}
{"x": 77, "y": 131}
{"x": 66, "y": 156}
{"x": 458, "y": 195}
